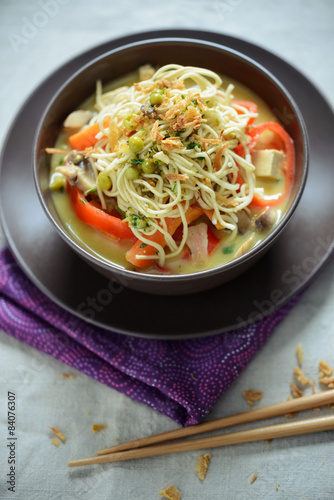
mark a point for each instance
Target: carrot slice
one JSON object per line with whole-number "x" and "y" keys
{"x": 209, "y": 214}
{"x": 86, "y": 137}
{"x": 139, "y": 248}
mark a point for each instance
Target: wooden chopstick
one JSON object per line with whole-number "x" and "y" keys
{"x": 304, "y": 403}
{"x": 262, "y": 433}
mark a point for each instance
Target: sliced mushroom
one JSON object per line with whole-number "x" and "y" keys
{"x": 265, "y": 220}
{"x": 245, "y": 247}
{"x": 244, "y": 222}
{"x": 70, "y": 172}
{"x": 110, "y": 204}
{"x": 79, "y": 171}
{"x": 77, "y": 119}
{"x": 149, "y": 111}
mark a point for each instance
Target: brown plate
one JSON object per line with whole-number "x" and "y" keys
{"x": 289, "y": 265}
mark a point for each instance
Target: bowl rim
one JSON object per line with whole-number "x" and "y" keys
{"x": 196, "y": 275}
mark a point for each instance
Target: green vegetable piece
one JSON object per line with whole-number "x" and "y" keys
{"x": 57, "y": 182}
{"x": 132, "y": 173}
{"x": 229, "y": 249}
{"x": 156, "y": 98}
{"x": 104, "y": 181}
{"x": 136, "y": 144}
{"x": 149, "y": 166}
{"x": 128, "y": 123}
{"x": 140, "y": 223}
{"x": 61, "y": 160}
{"x": 143, "y": 245}
{"x": 136, "y": 162}
{"x": 120, "y": 211}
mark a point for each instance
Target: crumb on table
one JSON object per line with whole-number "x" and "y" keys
{"x": 300, "y": 354}
{"x": 300, "y": 377}
{"x": 58, "y": 433}
{"x": 55, "y": 442}
{"x": 324, "y": 369}
{"x": 171, "y": 493}
{"x": 329, "y": 381}
{"x": 251, "y": 396}
{"x": 296, "y": 391}
{"x": 203, "y": 465}
{"x": 253, "y": 478}
{"x": 291, "y": 414}
{"x": 98, "y": 427}
{"x": 325, "y": 374}
{"x": 313, "y": 387}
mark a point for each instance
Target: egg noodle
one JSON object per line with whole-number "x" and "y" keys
{"x": 190, "y": 138}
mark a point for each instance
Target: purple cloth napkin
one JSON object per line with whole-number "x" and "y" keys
{"x": 182, "y": 379}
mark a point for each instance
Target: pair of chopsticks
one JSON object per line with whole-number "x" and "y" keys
{"x": 141, "y": 448}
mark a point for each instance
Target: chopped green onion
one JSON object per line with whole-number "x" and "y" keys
{"x": 229, "y": 249}
{"x": 193, "y": 145}
{"x": 136, "y": 162}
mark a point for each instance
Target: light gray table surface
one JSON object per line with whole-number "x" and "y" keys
{"x": 301, "y": 32}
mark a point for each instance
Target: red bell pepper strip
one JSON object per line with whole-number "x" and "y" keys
{"x": 289, "y": 164}
{"x": 212, "y": 241}
{"x": 288, "y": 167}
{"x": 251, "y": 106}
{"x": 93, "y": 216}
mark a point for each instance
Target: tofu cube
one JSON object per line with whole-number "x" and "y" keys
{"x": 268, "y": 163}
{"x": 146, "y": 72}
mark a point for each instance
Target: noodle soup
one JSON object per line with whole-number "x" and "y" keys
{"x": 171, "y": 172}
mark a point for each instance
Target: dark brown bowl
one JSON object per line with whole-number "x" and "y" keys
{"x": 158, "y": 52}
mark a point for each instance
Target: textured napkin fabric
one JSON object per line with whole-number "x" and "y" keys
{"x": 182, "y": 379}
